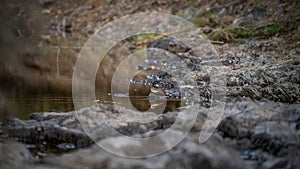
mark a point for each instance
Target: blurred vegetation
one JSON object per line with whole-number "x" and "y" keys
{"x": 226, "y": 33}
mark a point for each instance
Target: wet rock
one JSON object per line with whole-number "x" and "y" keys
{"x": 49, "y": 127}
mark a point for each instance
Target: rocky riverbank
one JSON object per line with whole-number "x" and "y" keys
{"x": 252, "y": 135}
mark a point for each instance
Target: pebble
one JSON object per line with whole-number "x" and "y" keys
{"x": 223, "y": 12}
{"x": 241, "y": 22}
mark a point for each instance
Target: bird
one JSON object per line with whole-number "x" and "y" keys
{"x": 149, "y": 79}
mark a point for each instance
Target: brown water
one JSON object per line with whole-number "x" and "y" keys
{"x": 22, "y": 104}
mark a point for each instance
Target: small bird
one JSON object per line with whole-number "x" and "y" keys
{"x": 139, "y": 91}
{"x": 156, "y": 82}
{"x": 153, "y": 79}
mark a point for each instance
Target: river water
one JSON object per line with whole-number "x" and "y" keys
{"x": 22, "y": 104}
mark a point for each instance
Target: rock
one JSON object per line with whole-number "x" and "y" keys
{"x": 14, "y": 155}
{"x": 188, "y": 154}
{"x": 207, "y": 30}
{"x": 64, "y": 129}
{"x": 194, "y": 155}
{"x": 46, "y": 38}
{"x": 275, "y": 163}
{"x": 223, "y": 12}
{"x": 266, "y": 127}
{"x": 290, "y": 160}
{"x": 275, "y": 136}
{"x": 45, "y": 3}
{"x": 259, "y": 12}
{"x": 241, "y": 22}
{"x": 46, "y": 11}
{"x": 261, "y": 23}
{"x": 241, "y": 118}
{"x": 200, "y": 155}
{"x": 171, "y": 45}
{"x": 49, "y": 127}
{"x": 277, "y": 83}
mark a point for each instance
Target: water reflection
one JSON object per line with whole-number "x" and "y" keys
{"x": 22, "y": 104}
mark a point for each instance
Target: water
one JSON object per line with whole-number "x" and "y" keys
{"x": 22, "y": 104}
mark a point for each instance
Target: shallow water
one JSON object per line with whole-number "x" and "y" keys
{"x": 21, "y": 105}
